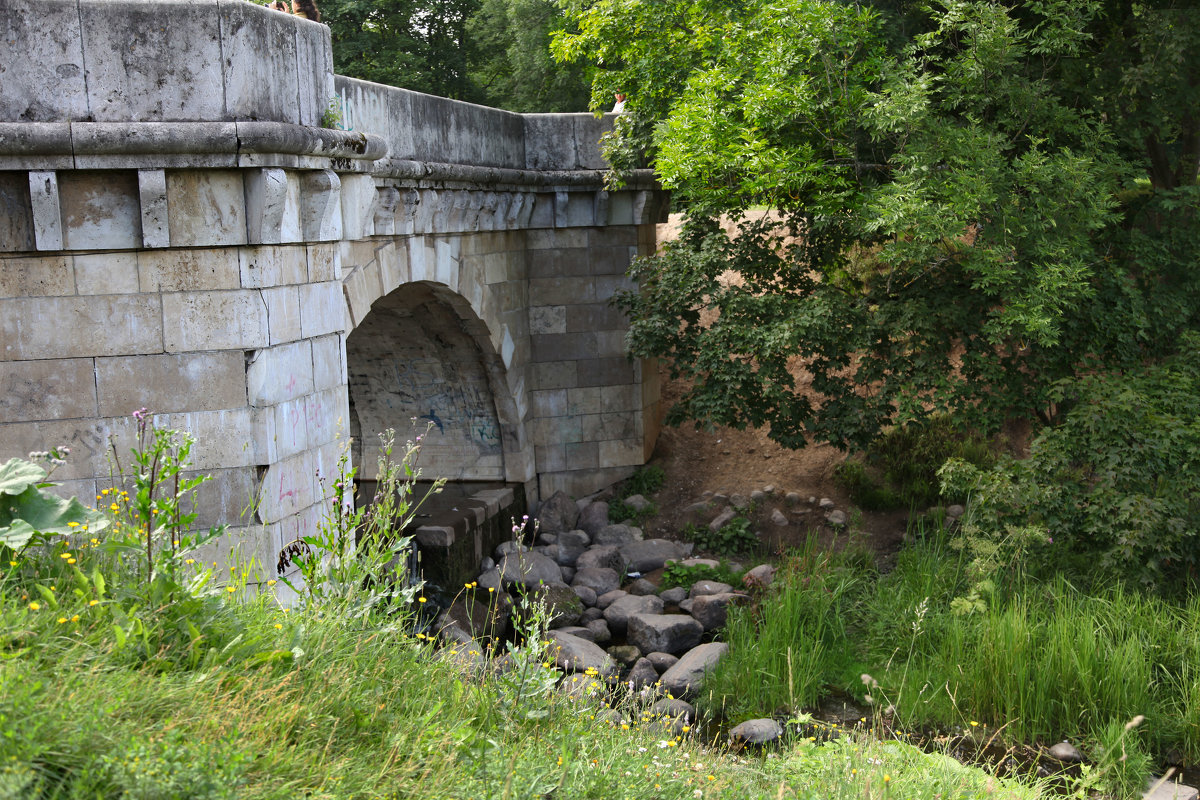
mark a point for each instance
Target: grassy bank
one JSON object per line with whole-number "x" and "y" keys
{"x": 929, "y": 648}
{"x": 109, "y": 691}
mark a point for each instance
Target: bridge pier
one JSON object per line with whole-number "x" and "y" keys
{"x": 179, "y": 239}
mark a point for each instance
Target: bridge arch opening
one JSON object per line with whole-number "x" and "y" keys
{"x": 423, "y": 355}
{"x": 422, "y": 362}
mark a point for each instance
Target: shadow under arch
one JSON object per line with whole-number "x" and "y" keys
{"x": 423, "y": 355}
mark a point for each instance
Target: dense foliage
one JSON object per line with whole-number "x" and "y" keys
{"x": 1111, "y": 493}
{"x": 965, "y": 201}
{"x": 495, "y": 52}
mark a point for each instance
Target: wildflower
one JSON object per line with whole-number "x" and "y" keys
{"x": 72, "y": 524}
{"x": 34, "y": 606}
{"x": 421, "y": 600}
{"x": 93, "y": 602}
{"x": 887, "y": 778}
{"x": 61, "y": 620}
{"x": 113, "y": 507}
{"x": 75, "y": 618}
{"x": 278, "y": 626}
{"x": 70, "y": 561}
{"x": 231, "y": 589}
{"x": 64, "y": 555}
{"x": 190, "y": 561}
{"x": 272, "y": 582}
{"x": 974, "y": 724}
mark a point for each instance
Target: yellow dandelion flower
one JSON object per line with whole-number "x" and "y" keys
{"x": 34, "y": 606}
{"x": 113, "y": 507}
{"x": 190, "y": 561}
{"x": 278, "y": 626}
{"x": 61, "y": 620}
{"x": 64, "y": 555}
{"x": 231, "y": 589}
{"x": 93, "y": 602}
{"x": 974, "y": 724}
{"x": 272, "y": 582}
{"x": 72, "y": 524}
{"x": 70, "y": 561}
{"x": 75, "y": 618}
{"x": 421, "y": 600}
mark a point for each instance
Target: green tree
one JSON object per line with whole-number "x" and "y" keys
{"x": 514, "y": 69}
{"x": 967, "y": 200}
{"x": 416, "y": 44}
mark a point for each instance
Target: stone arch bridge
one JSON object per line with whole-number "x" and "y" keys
{"x": 178, "y": 232}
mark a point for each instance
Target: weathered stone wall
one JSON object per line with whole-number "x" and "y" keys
{"x": 174, "y": 234}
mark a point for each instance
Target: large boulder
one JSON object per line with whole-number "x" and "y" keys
{"x": 701, "y": 588}
{"x": 528, "y": 569}
{"x": 673, "y": 715}
{"x": 600, "y": 580}
{"x": 760, "y": 577}
{"x": 688, "y": 672}
{"x": 662, "y": 661}
{"x": 599, "y": 630}
{"x": 650, "y": 554}
{"x": 562, "y": 604}
{"x": 668, "y": 633}
{"x": 586, "y": 594}
{"x": 565, "y": 554}
{"x": 607, "y": 556}
{"x": 558, "y": 513}
{"x": 617, "y": 535}
{"x": 711, "y": 610}
{"x": 593, "y": 517}
{"x": 617, "y": 614}
{"x": 642, "y": 674}
{"x": 756, "y": 731}
{"x": 608, "y": 598}
{"x": 575, "y": 538}
{"x": 479, "y": 620}
{"x": 574, "y": 654}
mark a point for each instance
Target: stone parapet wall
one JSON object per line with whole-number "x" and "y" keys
{"x": 162, "y": 61}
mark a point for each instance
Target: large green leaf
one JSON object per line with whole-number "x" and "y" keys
{"x": 18, "y": 475}
{"x": 34, "y": 512}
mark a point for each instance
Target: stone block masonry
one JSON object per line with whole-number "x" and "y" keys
{"x": 178, "y": 235}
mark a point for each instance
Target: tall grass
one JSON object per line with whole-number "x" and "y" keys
{"x": 1042, "y": 660}
{"x": 783, "y": 652}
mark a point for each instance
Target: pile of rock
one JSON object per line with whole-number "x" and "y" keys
{"x": 606, "y": 620}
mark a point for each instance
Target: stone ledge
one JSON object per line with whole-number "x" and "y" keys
{"x": 126, "y": 145}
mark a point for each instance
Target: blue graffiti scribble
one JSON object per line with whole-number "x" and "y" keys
{"x": 433, "y": 417}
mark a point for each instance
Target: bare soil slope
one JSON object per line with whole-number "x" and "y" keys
{"x": 731, "y": 462}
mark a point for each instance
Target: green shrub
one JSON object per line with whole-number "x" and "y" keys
{"x": 1113, "y": 492}
{"x": 676, "y": 574}
{"x": 620, "y": 510}
{"x": 733, "y": 538}
{"x": 644, "y": 481}
{"x": 900, "y": 468}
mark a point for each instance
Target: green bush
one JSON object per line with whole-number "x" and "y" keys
{"x": 1113, "y": 492}
{"x": 900, "y": 468}
{"x": 676, "y": 574}
{"x": 732, "y": 538}
{"x": 644, "y": 481}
